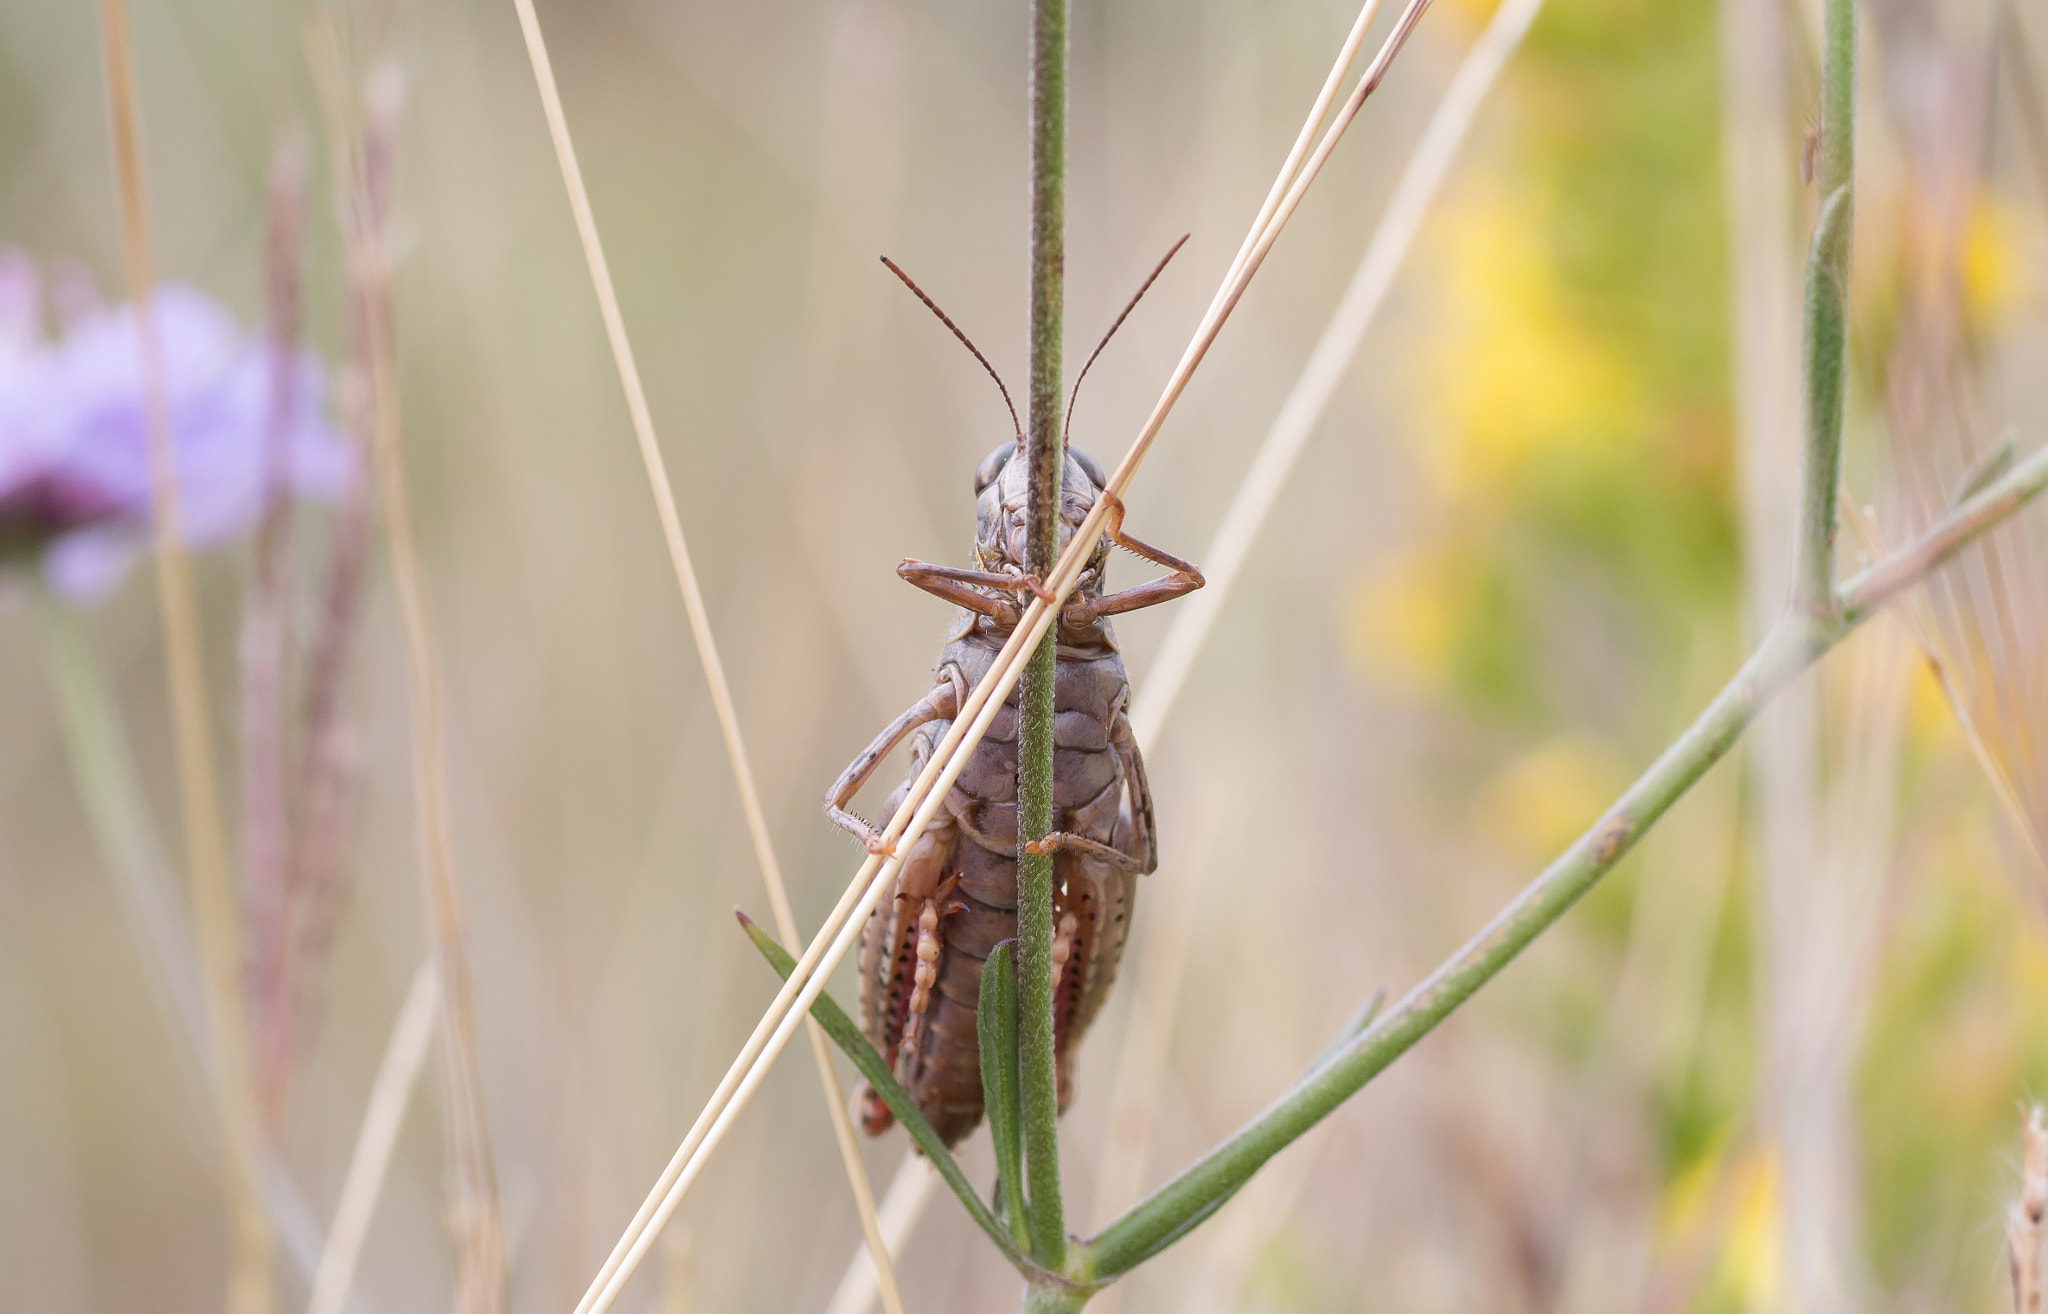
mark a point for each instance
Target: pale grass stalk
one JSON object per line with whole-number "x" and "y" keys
{"x": 1141, "y": 1065}
{"x": 927, "y": 792}
{"x": 1310, "y": 397}
{"x": 700, "y": 622}
{"x": 1134, "y": 1092}
{"x": 205, "y": 841}
{"x": 1864, "y": 525}
{"x": 474, "y": 1210}
{"x": 1290, "y": 168}
{"x": 266, "y": 656}
{"x": 404, "y": 1055}
{"x": 2024, "y": 1222}
{"x": 902, "y": 1205}
{"x": 849, "y": 1153}
{"x": 679, "y": 1260}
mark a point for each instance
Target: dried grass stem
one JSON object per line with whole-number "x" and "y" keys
{"x": 205, "y": 839}
{"x": 700, "y": 631}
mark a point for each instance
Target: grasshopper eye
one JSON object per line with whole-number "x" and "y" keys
{"x": 992, "y": 466}
{"x": 1088, "y": 466}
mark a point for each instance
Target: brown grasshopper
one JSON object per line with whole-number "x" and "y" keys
{"x": 955, "y": 895}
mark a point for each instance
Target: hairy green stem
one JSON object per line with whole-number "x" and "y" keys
{"x": 1792, "y": 645}
{"x": 1169, "y": 1213}
{"x": 1044, "y": 451}
{"x": 1052, "y": 1298}
{"x": 1826, "y": 339}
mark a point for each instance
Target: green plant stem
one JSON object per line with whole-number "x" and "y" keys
{"x": 103, "y": 766}
{"x": 1046, "y": 457}
{"x": 110, "y": 790}
{"x": 1792, "y": 645}
{"x": 1053, "y": 1298}
{"x": 1826, "y": 338}
{"x": 848, "y": 1037}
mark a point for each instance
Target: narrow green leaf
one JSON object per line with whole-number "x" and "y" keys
{"x": 849, "y": 1038}
{"x": 996, "y": 1026}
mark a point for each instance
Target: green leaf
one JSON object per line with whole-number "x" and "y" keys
{"x": 849, "y": 1038}
{"x": 996, "y": 1027}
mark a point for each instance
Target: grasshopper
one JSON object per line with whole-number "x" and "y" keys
{"x": 955, "y": 894}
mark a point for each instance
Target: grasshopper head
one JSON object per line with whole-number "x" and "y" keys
{"x": 1000, "y": 493}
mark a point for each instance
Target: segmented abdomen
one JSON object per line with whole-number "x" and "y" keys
{"x": 971, "y": 843}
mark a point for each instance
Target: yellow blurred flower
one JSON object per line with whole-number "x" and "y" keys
{"x": 1688, "y": 1200}
{"x": 1403, "y": 624}
{"x": 1930, "y": 721}
{"x": 1543, "y": 799}
{"x": 1997, "y": 273}
{"x": 1510, "y": 376}
{"x": 2027, "y": 967}
{"x": 1471, "y": 13}
{"x": 1752, "y": 1261}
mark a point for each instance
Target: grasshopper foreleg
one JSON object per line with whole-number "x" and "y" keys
{"x": 967, "y": 588}
{"x": 1186, "y": 578}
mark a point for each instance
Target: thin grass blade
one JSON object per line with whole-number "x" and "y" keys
{"x": 996, "y": 1031}
{"x": 847, "y": 1035}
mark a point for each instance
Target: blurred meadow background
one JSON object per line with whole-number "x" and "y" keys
{"x": 1776, "y": 1064}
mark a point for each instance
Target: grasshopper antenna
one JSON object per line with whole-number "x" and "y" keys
{"x": 1067, "y": 421}
{"x": 933, "y": 306}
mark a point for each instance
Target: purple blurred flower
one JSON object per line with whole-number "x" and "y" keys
{"x": 74, "y": 455}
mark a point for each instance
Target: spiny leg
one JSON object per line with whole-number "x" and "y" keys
{"x": 965, "y": 588}
{"x": 925, "y": 971}
{"x": 942, "y": 703}
{"x": 1185, "y": 579}
{"x": 1064, "y": 841}
{"x": 889, "y": 954}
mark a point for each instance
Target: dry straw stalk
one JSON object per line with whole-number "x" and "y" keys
{"x": 205, "y": 841}
{"x": 474, "y": 1210}
{"x": 700, "y": 627}
{"x": 404, "y": 1055}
